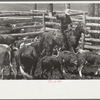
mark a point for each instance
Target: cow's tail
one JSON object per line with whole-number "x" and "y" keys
{"x": 25, "y": 74}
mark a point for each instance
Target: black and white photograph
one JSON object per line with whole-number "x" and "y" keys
{"x": 50, "y": 49}
{"x": 41, "y": 41}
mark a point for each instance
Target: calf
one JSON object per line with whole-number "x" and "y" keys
{"x": 68, "y": 60}
{"x": 48, "y": 64}
{"x": 92, "y": 59}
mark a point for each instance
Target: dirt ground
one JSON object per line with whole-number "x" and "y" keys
{"x": 55, "y": 74}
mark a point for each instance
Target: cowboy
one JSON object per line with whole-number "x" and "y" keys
{"x": 68, "y": 19}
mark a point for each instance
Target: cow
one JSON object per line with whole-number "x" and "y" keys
{"x": 26, "y": 60}
{"x": 5, "y": 59}
{"x": 68, "y": 60}
{"x": 7, "y": 39}
{"x": 90, "y": 60}
{"x": 47, "y": 64}
{"x": 47, "y": 43}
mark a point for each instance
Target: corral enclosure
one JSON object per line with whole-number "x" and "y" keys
{"x": 35, "y": 22}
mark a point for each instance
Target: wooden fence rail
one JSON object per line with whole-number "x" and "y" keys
{"x": 92, "y": 40}
{"x": 32, "y": 34}
{"x": 91, "y": 47}
{"x": 40, "y": 14}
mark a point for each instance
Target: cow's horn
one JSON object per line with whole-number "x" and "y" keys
{"x": 25, "y": 74}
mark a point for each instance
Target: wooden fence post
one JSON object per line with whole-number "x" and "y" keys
{"x": 33, "y": 15}
{"x": 83, "y": 34}
{"x": 44, "y": 22}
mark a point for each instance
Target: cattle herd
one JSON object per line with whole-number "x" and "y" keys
{"x": 51, "y": 55}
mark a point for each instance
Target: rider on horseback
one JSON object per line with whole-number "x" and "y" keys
{"x": 68, "y": 20}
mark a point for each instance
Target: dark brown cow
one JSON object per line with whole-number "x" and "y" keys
{"x": 91, "y": 59}
{"x": 26, "y": 59}
{"x": 65, "y": 59}
{"x": 48, "y": 64}
{"x": 47, "y": 43}
{"x": 6, "y": 39}
{"x": 68, "y": 60}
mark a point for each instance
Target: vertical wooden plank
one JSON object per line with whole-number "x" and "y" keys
{"x": 67, "y": 6}
{"x": 32, "y": 11}
{"x": 50, "y": 9}
{"x": 44, "y": 22}
{"x": 35, "y": 6}
{"x": 91, "y": 9}
{"x": 83, "y": 34}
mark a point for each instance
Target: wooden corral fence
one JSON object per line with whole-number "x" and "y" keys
{"x": 87, "y": 42}
{"x": 39, "y": 20}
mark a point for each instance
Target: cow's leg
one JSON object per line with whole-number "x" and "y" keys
{"x": 61, "y": 71}
{"x": 17, "y": 66}
{"x": 17, "y": 71}
{"x": 10, "y": 65}
{"x": 51, "y": 72}
{"x": 11, "y": 69}
{"x": 2, "y": 72}
{"x": 33, "y": 69}
{"x": 96, "y": 73}
{"x": 80, "y": 71}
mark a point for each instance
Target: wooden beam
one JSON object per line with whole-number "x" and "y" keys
{"x": 92, "y": 18}
{"x": 20, "y": 14}
{"x": 27, "y": 34}
{"x": 94, "y": 31}
{"x": 91, "y": 47}
{"x": 76, "y": 20}
{"x": 29, "y": 26}
{"x": 14, "y": 11}
{"x": 92, "y": 40}
{"x": 93, "y": 24}
{"x": 48, "y": 29}
{"x": 52, "y": 23}
{"x": 16, "y": 18}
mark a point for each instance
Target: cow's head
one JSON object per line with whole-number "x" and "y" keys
{"x": 74, "y": 60}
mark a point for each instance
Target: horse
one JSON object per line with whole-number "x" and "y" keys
{"x": 69, "y": 39}
{"x": 65, "y": 39}
{"x": 74, "y": 35}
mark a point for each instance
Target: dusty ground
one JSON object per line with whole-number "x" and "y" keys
{"x": 55, "y": 74}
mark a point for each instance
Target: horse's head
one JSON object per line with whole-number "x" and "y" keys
{"x": 81, "y": 28}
